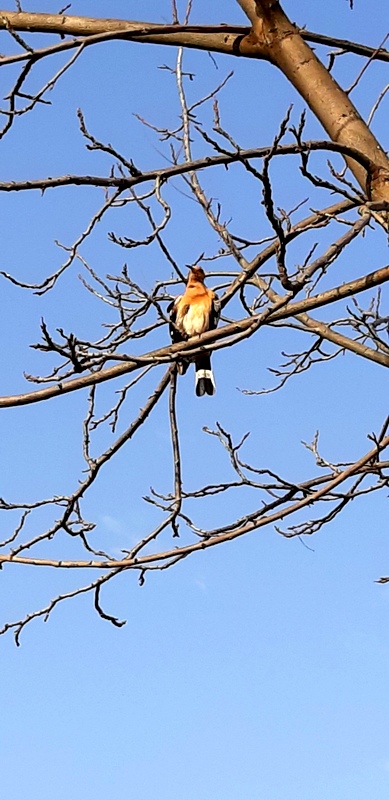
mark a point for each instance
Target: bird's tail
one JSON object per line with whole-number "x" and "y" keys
{"x": 205, "y": 383}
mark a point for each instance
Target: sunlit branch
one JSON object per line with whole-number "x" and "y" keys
{"x": 245, "y": 326}
{"x": 123, "y": 183}
{"x": 224, "y": 38}
{"x": 142, "y": 561}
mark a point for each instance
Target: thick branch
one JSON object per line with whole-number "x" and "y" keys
{"x": 286, "y": 48}
{"x": 230, "y": 39}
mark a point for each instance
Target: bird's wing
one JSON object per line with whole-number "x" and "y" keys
{"x": 175, "y": 334}
{"x": 215, "y": 313}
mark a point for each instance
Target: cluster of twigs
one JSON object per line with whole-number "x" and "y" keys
{"x": 259, "y": 288}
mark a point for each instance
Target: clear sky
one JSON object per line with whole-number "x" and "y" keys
{"x": 258, "y": 669}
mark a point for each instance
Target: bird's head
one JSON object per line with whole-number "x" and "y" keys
{"x": 197, "y": 273}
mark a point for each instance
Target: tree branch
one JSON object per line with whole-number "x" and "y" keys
{"x": 221, "y": 38}
{"x": 192, "y": 347}
{"x": 280, "y": 38}
{"x": 123, "y": 182}
{"x": 254, "y": 524}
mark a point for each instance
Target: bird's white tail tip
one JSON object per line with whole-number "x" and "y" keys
{"x": 205, "y": 382}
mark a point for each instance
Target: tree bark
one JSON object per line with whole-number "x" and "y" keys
{"x": 285, "y": 47}
{"x": 228, "y": 39}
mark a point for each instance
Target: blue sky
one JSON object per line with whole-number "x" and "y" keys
{"x": 258, "y": 669}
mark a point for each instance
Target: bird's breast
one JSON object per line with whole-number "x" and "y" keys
{"x": 193, "y": 318}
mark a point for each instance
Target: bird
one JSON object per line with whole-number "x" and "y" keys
{"x": 192, "y": 313}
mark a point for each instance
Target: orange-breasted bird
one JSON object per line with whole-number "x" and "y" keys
{"x": 194, "y": 312}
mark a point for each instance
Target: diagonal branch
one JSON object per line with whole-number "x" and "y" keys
{"x": 255, "y": 524}
{"x": 245, "y": 326}
{"x": 285, "y": 48}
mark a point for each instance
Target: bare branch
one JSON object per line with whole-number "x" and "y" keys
{"x": 259, "y": 520}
